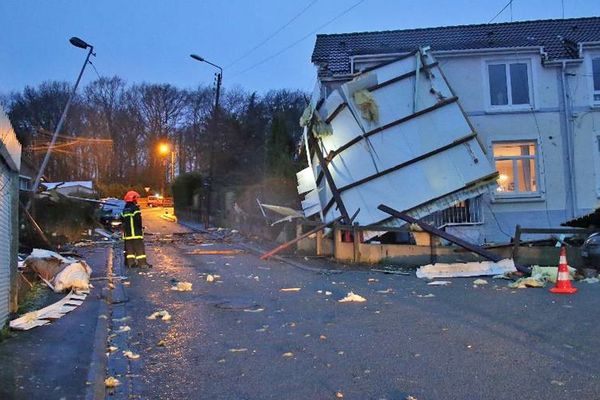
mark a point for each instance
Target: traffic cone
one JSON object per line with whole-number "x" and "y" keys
{"x": 563, "y": 284}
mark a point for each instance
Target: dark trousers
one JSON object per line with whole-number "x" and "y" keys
{"x": 135, "y": 252}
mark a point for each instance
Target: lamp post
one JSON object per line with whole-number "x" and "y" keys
{"x": 164, "y": 149}
{"x": 77, "y": 42}
{"x": 212, "y": 134}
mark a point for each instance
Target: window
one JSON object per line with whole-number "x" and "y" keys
{"x": 24, "y": 183}
{"x": 509, "y": 84}
{"x": 516, "y": 164}
{"x": 596, "y": 79}
{"x": 468, "y": 212}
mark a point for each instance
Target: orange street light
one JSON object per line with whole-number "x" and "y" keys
{"x": 164, "y": 149}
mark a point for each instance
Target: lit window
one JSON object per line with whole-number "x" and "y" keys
{"x": 516, "y": 165}
{"x": 509, "y": 84}
{"x": 596, "y": 78}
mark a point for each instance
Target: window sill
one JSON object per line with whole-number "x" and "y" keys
{"x": 523, "y": 198}
{"x": 509, "y": 110}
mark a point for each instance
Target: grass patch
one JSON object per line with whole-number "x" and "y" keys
{"x": 37, "y": 297}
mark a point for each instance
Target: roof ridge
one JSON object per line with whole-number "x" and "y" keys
{"x": 458, "y": 26}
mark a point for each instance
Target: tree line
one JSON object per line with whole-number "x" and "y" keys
{"x": 113, "y": 131}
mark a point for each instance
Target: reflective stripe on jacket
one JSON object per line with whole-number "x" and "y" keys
{"x": 131, "y": 218}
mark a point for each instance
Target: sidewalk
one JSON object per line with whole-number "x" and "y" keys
{"x": 54, "y": 361}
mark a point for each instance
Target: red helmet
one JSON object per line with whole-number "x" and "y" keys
{"x": 131, "y": 196}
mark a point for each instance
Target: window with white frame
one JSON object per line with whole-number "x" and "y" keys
{"x": 509, "y": 84}
{"x": 596, "y": 79}
{"x": 516, "y": 163}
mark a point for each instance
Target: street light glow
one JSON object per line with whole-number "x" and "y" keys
{"x": 164, "y": 148}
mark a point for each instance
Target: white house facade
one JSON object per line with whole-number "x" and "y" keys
{"x": 531, "y": 91}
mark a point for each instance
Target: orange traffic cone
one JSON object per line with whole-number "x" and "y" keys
{"x": 563, "y": 284}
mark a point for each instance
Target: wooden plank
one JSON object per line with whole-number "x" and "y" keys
{"x": 297, "y": 239}
{"x": 445, "y": 235}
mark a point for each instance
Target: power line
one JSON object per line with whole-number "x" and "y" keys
{"x": 500, "y": 12}
{"x": 272, "y": 35}
{"x": 269, "y": 58}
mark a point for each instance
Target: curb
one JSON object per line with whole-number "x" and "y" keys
{"x": 97, "y": 369}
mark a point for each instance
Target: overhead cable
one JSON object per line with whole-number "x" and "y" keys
{"x": 269, "y": 58}
{"x": 272, "y": 35}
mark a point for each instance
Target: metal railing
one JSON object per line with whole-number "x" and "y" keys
{"x": 468, "y": 212}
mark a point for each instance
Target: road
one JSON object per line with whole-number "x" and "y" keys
{"x": 241, "y": 337}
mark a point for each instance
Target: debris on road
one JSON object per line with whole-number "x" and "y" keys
{"x": 548, "y": 274}
{"x": 201, "y": 252}
{"x": 111, "y": 382}
{"x": 58, "y": 272}
{"x": 292, "y": 289}
{"x": 531, "y": 282}
{"x": 240, "y": 350}
{"x": 425, "y": 296}
{"x": 123, "y": 329}
{"x": 75, "y": 276}
{"x": 352, "y": 298}
{"x": 254, "y": 310}
{"x": 288, "y": 354}
{"x": 438, "y": 283}
{"x": 339, "y": 395}
{"x": 131, "y": 355}
{"x": 479, "y": 282}
{"x": 182, "y": 287}
{"x": 54, "y": 311}
{"x": 112, "y": 349}
{"x": 162, "y": 314}
{"x": 457, "y": 270}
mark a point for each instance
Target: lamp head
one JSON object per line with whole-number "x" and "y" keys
{"x": 197, "y": 57}
{"x": 75, "y": 41}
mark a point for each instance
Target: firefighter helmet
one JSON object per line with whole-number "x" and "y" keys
{"x": 131, "y": 196}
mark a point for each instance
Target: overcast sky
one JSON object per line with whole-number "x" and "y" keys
{"x": 150, "y": 40}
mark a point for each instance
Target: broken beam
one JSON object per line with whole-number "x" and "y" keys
{"x": 299, "y": 238}
{"x": 445, "y": 235}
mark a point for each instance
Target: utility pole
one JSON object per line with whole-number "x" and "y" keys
{"x": 212, "y": 133}
{"x": 75, "y": 41}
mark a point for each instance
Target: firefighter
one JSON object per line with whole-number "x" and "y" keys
{"x": 133, "y": 234}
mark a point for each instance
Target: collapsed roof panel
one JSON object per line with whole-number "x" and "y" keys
{"x": 397, "y": 136}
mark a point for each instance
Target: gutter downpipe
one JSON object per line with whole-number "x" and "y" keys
{"x": 569, "y": 142}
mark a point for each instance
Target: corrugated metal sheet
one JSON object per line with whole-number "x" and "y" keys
{"x": 5, "y": 240}
{"x": 420, "y": 155}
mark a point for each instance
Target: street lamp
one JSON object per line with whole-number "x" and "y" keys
{"x": 212, "y": 136}
{"x": 164, "y": 149}
{"x": 82, "y": 44}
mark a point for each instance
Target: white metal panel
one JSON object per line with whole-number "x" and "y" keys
{"x": 311, "y": 204}
{"x": 402, "y": 143}
{"x": 445, "y": 170}
{"x": 5, "y": 241}
{"x": 306, "y": 180}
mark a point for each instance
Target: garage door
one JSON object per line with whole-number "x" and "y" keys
{"x": 5, "y": 241}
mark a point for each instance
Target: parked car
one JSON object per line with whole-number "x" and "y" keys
{"x": 155, "y": 201}
{"x": 590, "y": 251}
{"x": 110, "y": 213}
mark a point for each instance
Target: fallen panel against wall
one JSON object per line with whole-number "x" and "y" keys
{"x": 397, "y": 136}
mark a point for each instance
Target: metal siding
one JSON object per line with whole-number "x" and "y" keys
{"x": 5, "y": 241}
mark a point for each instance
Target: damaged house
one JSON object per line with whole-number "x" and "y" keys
{"x": 475, "y": 128}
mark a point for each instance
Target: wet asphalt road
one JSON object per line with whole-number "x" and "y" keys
{"x": 242, "y": 338}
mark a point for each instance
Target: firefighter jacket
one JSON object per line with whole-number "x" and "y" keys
{"x": 131, "y": 219}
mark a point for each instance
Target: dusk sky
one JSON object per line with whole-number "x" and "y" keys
{"x": 150, "y": 40}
